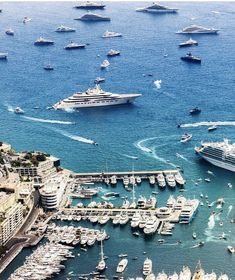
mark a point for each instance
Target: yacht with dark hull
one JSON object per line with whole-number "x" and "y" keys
{"x": 220, "y": 154}
{"x": 43, "y": 42}
{"x": 190, "y": 58}
{"x": 93, "y": 17}
{"x": 95, "y": 97}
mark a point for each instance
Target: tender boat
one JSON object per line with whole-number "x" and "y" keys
{"x": 157, "y": 8}
{"x": 195, "y": 111}
{"x": 113, "y": 53}
{"x": 43, "y": 42}
{"x": 73, "y": 46}
{"x": 26, "y": 19}
{"x": 18, "y": 110}
{"x": 188, "y": 43}
{"x": 104, "y": 64}
{"x": 111, "y": 34}
{"x": 63, "y": 29}
{"x": 122, "y": 265}
{"x": 212, "y": 128}
{"x": 231, "y": 249}
{"x": 10, "y": 32}
{"x": 93, "y": 17}
{"x": 185, "y": 137}
{"x": 196, "y": 29}
{"x": 99, "y": 80}
{"x": 3, "y": 55}
{"x": 190, "y": 58}
{"x": 90, "y": 6}
{"x": 194, "y": 235}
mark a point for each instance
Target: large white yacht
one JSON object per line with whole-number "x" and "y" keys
{"x": 90, "y": 6}
{"x": 43, "y": 42}
{"x": 157, "y": 8}
{"x": 93, "y": 17}
{"x": 63, "y": 28}
{"x": 111, "y": 34}
{"x": 189, "y": 210}
{"x": 94, "y": 97}
{"x": 221, "y": 154}
{"x": 196, "y": 29}
{"x": 151, "y": 225}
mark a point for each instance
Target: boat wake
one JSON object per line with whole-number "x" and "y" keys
{"x": 69, "y": 110}
{"x": 75, "y": 137}
{"x": 47, "y": 121}
{"x": 211, "y": 222}
{"x": 128, "y": 156}
{"x": 229, "y": 210}
{"x": 9, "y": 108}
{"x": 210, "y": 123}
{"x": 182, "y": 157}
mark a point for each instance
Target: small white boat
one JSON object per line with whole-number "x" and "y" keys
{"x": 194, "y": 235}
{"x": 74, "y": 46}
{"x": 188, "y": 43}
{"x": 113, "y": 53}
{"x": 10, "y": 32}
{"x": 207, "y": 180}
{"x": 104, "y": 64}
{"x": 3, "y": 55}
{"x": 63, "y": 28}
{"x": 231, "y": 249}
{"x": 18, "y": 110}
{"x": 122, "y": 265}
{"x": 26, "y": 19}
{"x": 212, "y": 128}
{"x": 185, "y": 137}
{"x": 111, "y": 34}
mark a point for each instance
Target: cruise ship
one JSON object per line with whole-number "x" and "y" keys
{"x": 90, "y": 6}
{"x": 221, "y": 154}
{"x": 196, "y": 29}
{"x": 157, "y": 8}
{"x": 94, "y": 97}
{"x": 93, "y": 17}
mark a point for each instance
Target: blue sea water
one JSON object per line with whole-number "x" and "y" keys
{"x": 126, "y": 131}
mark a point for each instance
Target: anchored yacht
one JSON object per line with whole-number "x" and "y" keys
{"x": 43, "y": 42}
{"x": 111, "y": 34}
{"x": 94, "y": 97}
{"x": 63, "y": 28}
{"x": 93, "y": 17}
{"x": 157, "y": 8}
{"x": 74, "y": 46}
{"x": 196, "y": 29}
{"x": 90, "y": 6}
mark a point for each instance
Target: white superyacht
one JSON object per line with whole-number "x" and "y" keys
{"x": 94, "y": 97}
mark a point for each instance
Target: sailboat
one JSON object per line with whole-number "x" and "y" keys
{"x": 101, "y": 265}
{"x": 48, "y": 67}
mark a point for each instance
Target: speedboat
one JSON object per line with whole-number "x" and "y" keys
{"x": 111, "y": 34}
{"x": 63, "y": 28}
{"x": 211, "y": 128}
{"x": 3, "y": 55}
{"x": 156, "y": 8}
{"x": 231, "y": 249}
{"x": 48, "y": 67}
{"x": 185, "y": 137}
{"x": 9, "y": 32}
{"x": 93, "y": 17}
{"x": 43, "y": 42}
{"x": 122, "y": 265}
{"x": 188, "y": 43}
{"x": 104, "y": 64}
{"x": 26, "y": 19}
{"x": 190, "y": 58}
{"x": 195, "y": 111}
{"x": 147, "y": 267}
{"x": 18, "y": 110}
{"x": 90, "y": 6}
{"x": 113, "y": 53}
{"x": 72, "y": 46}
{"x": 194, "y": 235}
{"x": 196, "y": 29}
{"x": 99, "y": 80}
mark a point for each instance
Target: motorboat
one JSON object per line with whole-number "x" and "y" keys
{"x": 147, "y": 267}
{"x": 138, "y": 180}
{"x": 190, "y": 58}
{"x": 151, "y": 225}
{"x": 73, "y": 46}
{"x": 152, "y": 180}
{"x": 231, "y": 249}
{"x": 122, "y": 265}
{"x": 185, "y": 137}
{"x": 18, "y": 110}
{"x": 135, "y": 220}
{"x": 188, "y": 43}
{"x": 161, "y": 180}
{"x": 111, "y": 34}
{"x": 170, "y": 179}
{"x": 93, "y": 17}
{"x": 113, "y": 53}
{"x": 157, "y": 8}
{"x": 195, "y": 111}
{"x": 90, "y": 5}
{"x": 63, "y": 29}
{"x": 141, "y": 202}
{"x": 194, "y": 235}
{"x": 212, "y": 128}
{"x": 126, "y": 181}
{"x": 3, "y": 55}
{"x": 10, "y": 32}
{"x": 99, "y": 80}
{"x": 196, "y": 29}
{"x": 26, "y": 19}
{"x": 43, "y": 42}
{"x": 104, "y": 64}
{"x": 48, "y": 67}
{"x": 179, "y": 179}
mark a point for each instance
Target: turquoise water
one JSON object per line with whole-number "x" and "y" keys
{"x": 127, "y": 131}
